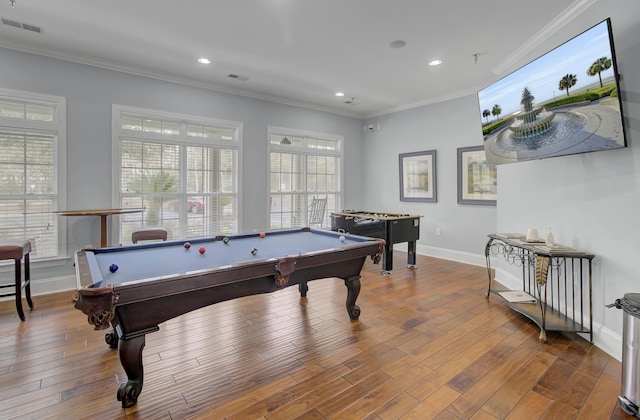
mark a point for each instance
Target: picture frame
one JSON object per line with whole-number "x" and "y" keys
{"x": 418, "y": 176}
{"x": 477, "y": 179}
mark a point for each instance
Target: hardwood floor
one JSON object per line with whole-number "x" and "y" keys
{"x": 428, "y": 345}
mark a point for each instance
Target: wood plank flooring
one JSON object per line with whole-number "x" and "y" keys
{"x": 428, "y": 345}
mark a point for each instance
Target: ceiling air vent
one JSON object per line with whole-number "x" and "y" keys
{"x": 11, "y": 23}
{"x": 31, "y": 28}
{"x": 21, "y": 25}
{"x": 238, "y": 77}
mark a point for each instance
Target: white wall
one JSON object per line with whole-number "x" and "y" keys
{"x": 590, "y": 201}
{"x": 90, "y": 93}
{"x": 444, "y": 128}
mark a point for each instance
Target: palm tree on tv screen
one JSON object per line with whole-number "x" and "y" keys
{"x": 567, "y": 81}
{"x": 598, "y": 66}
{"x": 486, "y": 114}
{"x": 496, "y": 111}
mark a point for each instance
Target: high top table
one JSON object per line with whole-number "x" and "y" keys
{"x": 104, "y": 214}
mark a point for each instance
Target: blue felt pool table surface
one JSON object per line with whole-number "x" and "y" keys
{"x": 152, "y": 261}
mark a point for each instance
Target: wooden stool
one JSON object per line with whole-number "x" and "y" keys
{"x": 15, "y": 250}
{"x": 149, "y": 234}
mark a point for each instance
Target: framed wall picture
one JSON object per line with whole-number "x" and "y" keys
{"x": 418, "y": 176}
{"x": 477, "y": 179}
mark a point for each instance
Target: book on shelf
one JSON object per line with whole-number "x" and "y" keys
{"x": 517, "y": 296}
{"x": 558, "y": 248}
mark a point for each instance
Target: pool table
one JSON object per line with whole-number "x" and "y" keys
{"x": 134, "y": 288}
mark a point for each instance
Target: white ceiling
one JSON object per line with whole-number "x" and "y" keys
{"x": 301, "y": 52}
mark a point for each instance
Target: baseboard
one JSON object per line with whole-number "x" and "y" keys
{"x": 608, "y": 341}
{"x": 49, "y": 285}
{"x": 445, "y": 254}
{"x": 53, "y": 285}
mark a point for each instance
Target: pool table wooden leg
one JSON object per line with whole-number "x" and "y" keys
{"x": 112, "y": 339}
{"x": 353, "y": 290}
{"x": 130, "y": 351}
{"x": 303, "y": 288}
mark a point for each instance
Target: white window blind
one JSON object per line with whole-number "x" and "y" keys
{"x": 183, "y": 172}
{"x": 32, "y": 138}
{"x": 304, "y": 168}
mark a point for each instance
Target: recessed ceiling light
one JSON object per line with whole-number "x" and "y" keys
{"x": 339, "y": 93}
{"x": 435, "y": 62}
{"x": 398, "y": 44}
{"x": 204, "y": 60}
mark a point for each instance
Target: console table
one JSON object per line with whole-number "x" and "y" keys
{"x": 558, "y": 278}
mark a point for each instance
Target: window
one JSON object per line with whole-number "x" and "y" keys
{"x": 183, "y": 170}
{"x": 304, "y": 169}
{"x": 32, "y": 170}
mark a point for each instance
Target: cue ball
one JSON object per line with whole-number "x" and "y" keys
{"x": 342, "y": 238}
{"x": 202, "y": 250}
{"x": 187, "y": 245}
{"x": 113, "y": 268}
{"x": 262, "y": 234}
{"x": 254, "y": 251}
{"x": 225, "y": 240}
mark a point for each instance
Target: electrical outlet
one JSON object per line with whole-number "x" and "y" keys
{"x": 437, "y": 231}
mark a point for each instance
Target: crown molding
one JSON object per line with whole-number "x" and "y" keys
{"x": 166, "y": 77}
{"x": 549, "y": 29}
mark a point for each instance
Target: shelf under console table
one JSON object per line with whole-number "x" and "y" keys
{"x": 558, "y": 278}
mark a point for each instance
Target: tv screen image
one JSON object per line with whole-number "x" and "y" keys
{"x": 564, "y": 102}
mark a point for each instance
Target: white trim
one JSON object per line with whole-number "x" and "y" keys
{"x": 117, "y": 134}
{"x": 447, "y": 254}
{"x": 48, "y": 286}
{"x": 58, "y": 127}
{"x": 306, "y": 151}
{"x": 549, "y": 29}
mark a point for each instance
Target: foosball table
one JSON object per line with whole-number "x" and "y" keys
{"x": 394, "y": 228}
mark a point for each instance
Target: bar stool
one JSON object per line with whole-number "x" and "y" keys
{"x": 15, "y": 250}
{"x": 149, "y": 234}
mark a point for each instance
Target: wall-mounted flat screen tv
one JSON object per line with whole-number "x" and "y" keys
{"x": 564, "y": 102}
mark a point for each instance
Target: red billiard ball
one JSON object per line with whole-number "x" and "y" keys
{"x": 202, "y": 250}
{"x": 262, "y": 234}
{"x": 187, "y": 245}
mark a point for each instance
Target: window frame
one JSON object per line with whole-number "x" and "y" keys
{"x": 306, "y": 151}
{"x": 57, "y": 128}
{"x": 121, "y": 111}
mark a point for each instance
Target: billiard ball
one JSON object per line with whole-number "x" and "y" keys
{"x": 187, "y": 245}
{"x": 225, "y": 240}
{"x": 113, "y": 268}
{"x": 262, "y": 234}
{"x": 254, "y": 251}
{"x": 202, "y": 250}
{"x": 342, "y": 238}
